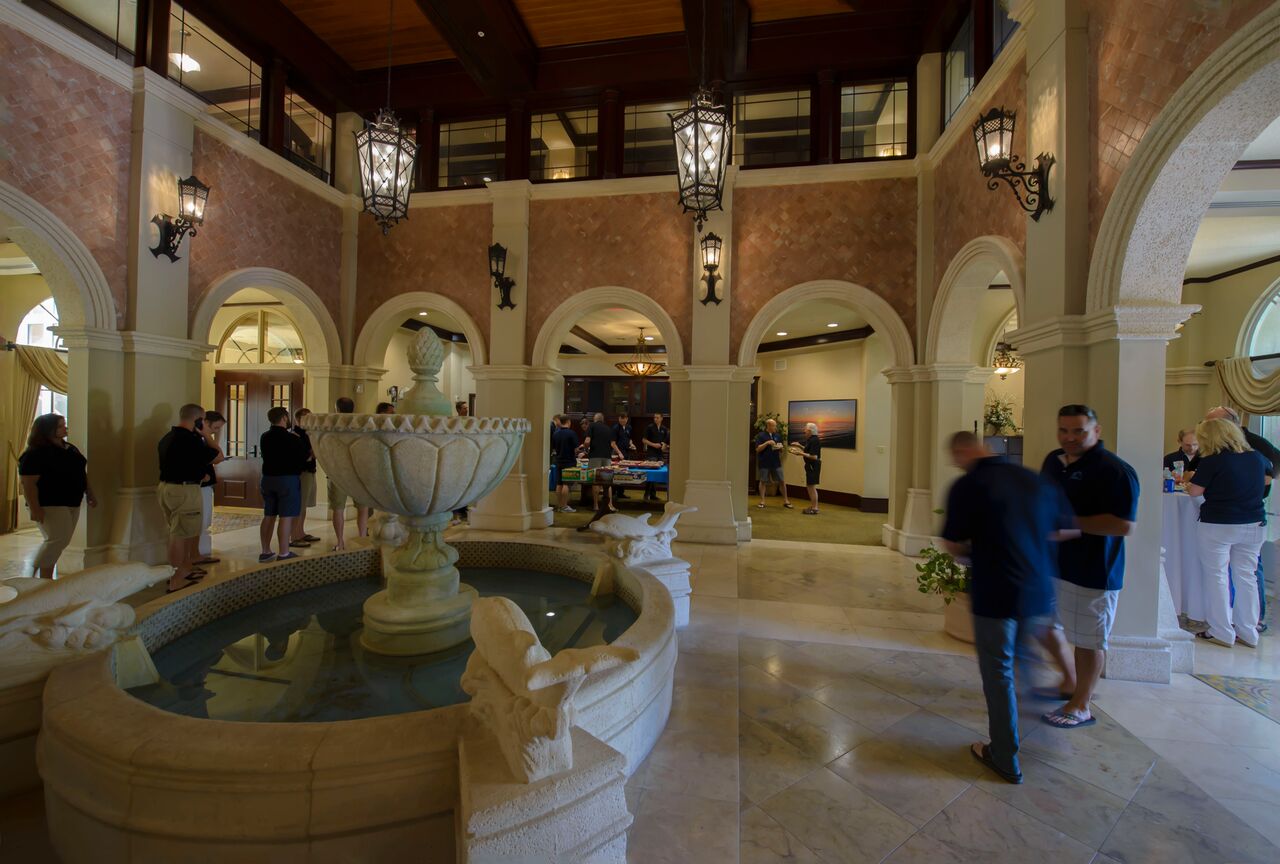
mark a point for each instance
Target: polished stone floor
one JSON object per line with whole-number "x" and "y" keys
{"x": 820, "y": 715}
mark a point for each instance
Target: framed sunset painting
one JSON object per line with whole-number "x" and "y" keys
{"x": 837, "y": 421}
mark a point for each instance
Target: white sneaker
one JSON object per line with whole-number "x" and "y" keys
{"x": 567, "y": 509}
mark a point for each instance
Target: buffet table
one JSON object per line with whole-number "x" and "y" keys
{"x": 1182, "y": 567}
{"x": 655, "y": 472}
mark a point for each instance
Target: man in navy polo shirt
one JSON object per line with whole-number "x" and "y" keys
{"x": 1003, "y": 517}
{"x": 1103, "y": 491}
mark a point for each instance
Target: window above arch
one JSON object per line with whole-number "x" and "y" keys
{"x": 35, "y": 328}
{"x": 260, "y": 338}
{"x": 1265, "y": 338}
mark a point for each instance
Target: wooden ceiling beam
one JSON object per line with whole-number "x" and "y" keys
{"x": 727, "y": 24}
{"x": 491, "y": 42}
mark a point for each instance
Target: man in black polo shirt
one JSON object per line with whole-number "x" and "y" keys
{"x": 600, "y": 449}
{"x": 185, "y": 457}
{"x": 564, "y": 450}
{"x": 284, "y": 457}
{"x": 1186, "y": 452}
{"x": 657, "y": 441}
{"x": 622, "y": 437}
{"x": 1002, "y": 517}
{"x": 1103, "y": 491}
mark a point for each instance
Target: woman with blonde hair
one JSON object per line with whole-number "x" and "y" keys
{"x": 1233, "y": 479}
{"x": 54, "y": 482}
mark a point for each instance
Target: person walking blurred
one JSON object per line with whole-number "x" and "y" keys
{"x": 284, "y": 457}
{"x": 55, "y": 480}
{"x": 307, "y": 480}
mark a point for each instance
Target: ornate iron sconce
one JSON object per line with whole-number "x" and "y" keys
{"x": 497, "y": 269}
{"x": 192, "y": 196}
{"x": 993, "y": 133}
{"x": 711, "y": 246}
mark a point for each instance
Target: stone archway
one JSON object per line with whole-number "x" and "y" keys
{"x": 306, "y": 309}
{"x": 956, "y": 306}
{"x": 558, "y": 324}
{"x": 1144, "y": 239}
{"x": 371, "y": 344}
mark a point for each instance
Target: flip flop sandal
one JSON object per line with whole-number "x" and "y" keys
{"x": 266, "y": 557}
{"x": 1214, "y": 639}
{"x": 311, "y": 538}
{"x": 759, "y": 506}
{"x": 982, "y": 752}
{"x": 1051, "y": 694}
{"x": 788, "y": 506}
{"x": 207, "y": 561}
{"x": 1062, "y": 720}
{"x": 288, "y": 556}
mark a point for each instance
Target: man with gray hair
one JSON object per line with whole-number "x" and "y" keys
{"x": 1267, "y": 449}
{"x": 600, "y": 449}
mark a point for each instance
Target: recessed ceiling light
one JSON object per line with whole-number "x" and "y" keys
{"x": 782, "y": 333}
{"x": 551, "y": 614}
{"x": 480, "y": 33}
{"x": 488, "y": 179}
{"x": 648, "y": 338}
{"x": 833, "y": 324}
{"x": 422, "y": 314}
{"x": 185, "y": 62}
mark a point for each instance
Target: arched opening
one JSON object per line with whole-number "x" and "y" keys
{"x": 581, "y": 343}
{"x": 272, "y": 344}
{"x": 384, "y": 340}
{"x": 820, "y": 350}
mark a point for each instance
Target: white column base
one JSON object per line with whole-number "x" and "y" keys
{"x": 504, "y": 509}
{"x": 744, "y": 531}
{"x": 1139, "y": 658}
{"x": 713, "y": 521}
{"x": 139, "y": 532}
{"x": 1182, "y": 645}
{"x": 674, "y": 574}
{"x": 917, "y": 523}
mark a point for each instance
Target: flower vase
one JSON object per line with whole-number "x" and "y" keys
{"x": 957, "y": 618}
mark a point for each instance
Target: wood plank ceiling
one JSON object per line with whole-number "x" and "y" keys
{"x": 358, "y": 31}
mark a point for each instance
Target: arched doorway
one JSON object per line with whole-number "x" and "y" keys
{"x": 872, "y": 474}
{"x": 273, "y": 345}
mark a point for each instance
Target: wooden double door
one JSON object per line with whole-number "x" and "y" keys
{"x": 244, "y": 398}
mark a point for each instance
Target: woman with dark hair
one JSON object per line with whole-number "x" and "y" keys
{"x": 54, "y": 482}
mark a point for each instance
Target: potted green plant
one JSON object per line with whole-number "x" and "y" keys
{"x": 940, "y": 573}
{"x": 760, "y": 421}
{"x": 997, "y": 415}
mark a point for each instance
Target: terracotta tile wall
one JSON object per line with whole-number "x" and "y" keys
{"x": 1140, "y": 52}
{"x": 64, "y": 140}
{"x": 641, "y": 242}
{"x": 258, "y": 218}
{"x": 438, "y": 249}
{"x": 862, "y": 232}
{"x": 963, "y": 206}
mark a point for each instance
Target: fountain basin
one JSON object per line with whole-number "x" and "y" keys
{"x": 126, "y": 781}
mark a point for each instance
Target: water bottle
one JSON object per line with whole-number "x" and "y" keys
{"x": 1168, "y": 480}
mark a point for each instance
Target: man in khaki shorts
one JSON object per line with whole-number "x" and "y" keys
{"x": 185, "y": 457}
{"x": 338, "y": 498}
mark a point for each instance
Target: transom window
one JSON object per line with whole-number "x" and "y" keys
{"x": 874, "y": 120}
{"x": 260, "y": 338}
{"x": 472, "y": 152}
{"x": 647, "y": 143}
{"x": 563, "y": 144}
{"x": 771, "y": 128}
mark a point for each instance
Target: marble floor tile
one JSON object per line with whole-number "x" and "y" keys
{"x": 753, "y": 650}
{"x": 1239, "y": 725}
{"x": 861, "y": 617}
{"x": 906, "y": 783}
{"x": 1078, "y": 809}
{"x": 1171, "y": 819}
{"x": 1223, "y": 772}
{"x": 675, "y": 829}
{"x": 695, "y": 706}
{"x": 837, "y": 820}
{"x": 979, "y": 827}
{"x": 1105, "y": 754}
{"x": 768, "y": 764}
{"x": 818, "y": 732}
{"x": 1263, "y": 756}
{"x": 922, "y": 678}
{"x": 718, "y": 672}
{"x": 1179, "y": 721}
{"x": 1181, "y": 688}
{"x": 764, "y": 841}
{"x": 701, "y": 762}
{"x": 938, "y": 740}
{"x": 865, "y": 703}
{"x": 1259, "y": 815}
{"x": 805, "y": 670}
{"x": 758, "y": 692}
{"x": 693, "y": 641}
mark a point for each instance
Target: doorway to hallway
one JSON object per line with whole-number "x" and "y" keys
{"x": 244, "y": 397}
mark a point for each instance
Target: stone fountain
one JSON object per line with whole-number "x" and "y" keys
{"x": 421, "y": 465}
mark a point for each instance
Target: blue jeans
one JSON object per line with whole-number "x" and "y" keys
{"x": 996, "y": 641}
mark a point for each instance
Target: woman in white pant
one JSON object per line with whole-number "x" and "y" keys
{"x": 1233, "y": 478}
{"x": 54, "y": 482}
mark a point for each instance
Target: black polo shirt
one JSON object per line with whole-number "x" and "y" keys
{"x": 1098, "y": 483}
{"x": 1179, "y": 456}
{"x": 60, "y": 473}
{"x": 564, "y": 444}
{"x": 601, "y": 441}
{"x": 184, "y": 456}
{"x": 622, "y": 434}
{"x": 283, "y": 453}
{"x": 658, "y": 435}
{"x": 1007, "y": 513}
{"x": 308, "y": 465}
{"x": 1234, "y": 486}
{"x": 768, "y": 457}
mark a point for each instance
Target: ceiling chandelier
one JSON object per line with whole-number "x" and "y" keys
{"x": 702, "y": 146}
{"x": 1006, "y": 362}
{"x": 641, "y": 364}
{"x": 386, "y": 155}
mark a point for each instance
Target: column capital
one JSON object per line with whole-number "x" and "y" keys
{"x": 966, "y": 372}
{"x": 741, "y": 374}
{"x": 346, "y": 373}
{"x": 153, "y": 345}
{"x": 511, "y": 372}
{"x": 93, "y": 338}
{"x": 900, "y": 375}
{"x": 1193, "y": 375}
{"x": 1158, "y": 323}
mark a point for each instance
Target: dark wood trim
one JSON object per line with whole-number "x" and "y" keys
{"x": 605, "y": 347}
{"x": 830, "y": 496}
{"x": 443, "y": 332}
{"x": 825, "y": 119}
{"x": 816, "y": 340}
{"x": 501, "y": 63}
{"x": 151, "y": 36}
{"x": 998, "y": 287}
{"x": 518, "y": 133}
{"x": 590, "y": 338}
{"x": 1256, "y": 164}
{"x": 610, "y": 125}
{"x": 1235, "y": 271}
{"x": 983, "y": 39}
{"x": 275, "y": 79}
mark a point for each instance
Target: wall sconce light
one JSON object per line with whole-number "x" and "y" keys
{"x": 497, "y": 269}
{"x": 192, "y": 196}
{"x": 711, "y": 245}
{"x": 993, "y": 133}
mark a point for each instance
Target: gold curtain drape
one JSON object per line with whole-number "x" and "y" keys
{"x": 36, "y": 367}
{"x": 1245, "y": 390}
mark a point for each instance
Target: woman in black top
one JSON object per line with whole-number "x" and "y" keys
{"x": 54, "y": 481}
{"x": 1233, "y": 479}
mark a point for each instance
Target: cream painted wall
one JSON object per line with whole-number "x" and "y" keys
{"x": 456, "y": 381}
{"x": 837, "y": 372}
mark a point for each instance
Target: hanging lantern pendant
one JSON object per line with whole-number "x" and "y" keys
{"x": 387, "y": 156}
{"x": 702, "y": 155}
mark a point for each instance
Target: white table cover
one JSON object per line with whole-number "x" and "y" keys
{"x": 1182, "y": 567}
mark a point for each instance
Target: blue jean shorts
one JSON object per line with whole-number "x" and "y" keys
{"x": 281, "y": 495}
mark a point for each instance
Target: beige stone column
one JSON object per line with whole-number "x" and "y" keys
{"x": 95, "y": 394}
{"x": 346, "y": 179}
{"x": 907, "y": 526}
{"x": 928, "y": 126}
